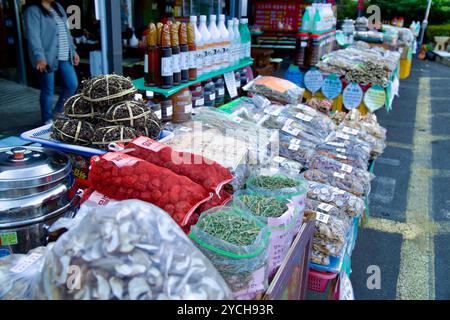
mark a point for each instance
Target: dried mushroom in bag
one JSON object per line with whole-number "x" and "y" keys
{"x": 103, "y": 136}
{"x": 339, "y": 180}
{"x": 276, "y": 89}
{"x": 349, "y": 203}
{"x": 105, "y": 90}
{"x": 296, "y": 149}
{"x": 73, "y": 131}
{"x": 78, "y": 108}
{"x": 318, "y": 257}
{"x": 130, "y": 250}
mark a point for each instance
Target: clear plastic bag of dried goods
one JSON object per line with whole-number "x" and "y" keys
{"x": 282, "y": 185}
{"x": 354, "y": 206}
{"x": 377, "y": 145}
{"x": 349, "y": 141}
{"x": 237, "y": 245}
{"x": 279, "y": 215}
{"x": 345, "y": 154}
{"x": 318, "y": 257}
{"x": 315, "y": 121}
{"x": 276, "y": 89}
{"x": 130, "y": 250}
{"x": 339, "y": 180}
{"x": 208, "y": 173}
{"x": 296, "y": 149}
{"x": 121, "y": 176}
{"x": 286, "y": 164}
{"x": 19, "y": 274}
{"x": 329, "y": 165}
{"x": 332, "y": 227}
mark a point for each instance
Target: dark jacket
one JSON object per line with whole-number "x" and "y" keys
{"x": 42, "y": 34}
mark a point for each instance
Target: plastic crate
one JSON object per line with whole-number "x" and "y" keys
{"x": 318, "y": 281}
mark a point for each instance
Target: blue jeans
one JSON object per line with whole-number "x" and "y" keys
{"x": 47, "y": 83}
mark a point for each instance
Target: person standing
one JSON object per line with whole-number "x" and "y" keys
{"x": 51, "y": 50}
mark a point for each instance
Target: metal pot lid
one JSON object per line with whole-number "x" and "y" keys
{"x": 26, "y": 167}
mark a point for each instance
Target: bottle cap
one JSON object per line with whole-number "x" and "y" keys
{"x": 202, "y": 18}
{"x": 222, "y": 17}
{"x": 212, "y": 17}
{"x": 193, "y": 18}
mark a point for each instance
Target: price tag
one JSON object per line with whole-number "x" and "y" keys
{"x": 375, "y": 98}
{"x": 325, "y": 207}
{"x": 338, "y": 191}
{"x": 230, "y": 82}
{"x": 290, "y": 130}
{"x": 169, "y": 111}
{"x": 313, "y": 80}
{"x": 341, "y": 150}
{"x": 322, "y": 217}
{"x": 339, "y": 175}
{"x": 303, "y": 117}
{"x": 8, "y": 238}
{"x": 212, "y": 97}
{"x": 341, "y": 156}
{"x": 188, "y": 108}
{"x": 303, "y": 44}
{"x": 352, "y": 96}
{"x": 25, "y": 263}
{"x": 273, "y": 110}
{"x": 185, "y": 129}
{"x": 295, "y": 141}
{"x": 199, "y": 102}
{"x": 332, "y": 86}
{"x": 341, "y": 135}
{"x": 347, "y": 168}
{"x": 221, "y": 92}
{"x": 351, "y": 131}
{"x": 294, "y": 147}
{"x": 279, "y": 159}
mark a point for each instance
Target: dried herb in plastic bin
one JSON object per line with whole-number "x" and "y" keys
{"x": 264, "y": 206}
{"x": 274, "y": 182}
{"x": 230, "y": 227}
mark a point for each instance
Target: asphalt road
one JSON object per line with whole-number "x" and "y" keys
{"x": 408, "y": 234}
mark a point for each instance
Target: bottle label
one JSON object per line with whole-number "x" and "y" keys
{"x": 166, "y": 67}
{"x": 188, "y": 108}
{"x": 248, "y": 53}
{"x": 176, "y": 63}
{"x": 192, "y": 59}
{"x": 221, "y": 92}
{"x": 146, "y": 63}
{"x": 199, "y": 102}
{"x": 159, "y": 114}
{"x": 184, "y": 61}
{"x": 169, "y": 111}
{"x": 207, "y": 55}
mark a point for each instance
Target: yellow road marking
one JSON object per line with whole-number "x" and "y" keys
{"x": 416, "y": 277}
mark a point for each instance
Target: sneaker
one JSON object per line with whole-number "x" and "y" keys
{"x": 49, "y": 122}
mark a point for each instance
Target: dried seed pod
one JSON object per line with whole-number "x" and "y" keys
{"x": 73, "y": 131}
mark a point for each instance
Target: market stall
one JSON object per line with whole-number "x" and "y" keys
{"x": 197, "y": 181}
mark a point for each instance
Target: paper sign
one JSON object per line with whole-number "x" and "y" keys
{"x": 339, "y": 175}
{"x": 313, "y": 80}
{"x": 230, "y": 82}
{"x": 341, "y": 156}
{"x": 375, "y": 98}
{"x": 332, "y": 86}
{"x": 347, "y": 168}
{"x": 325, "y": 207}
{"x": 294, "y": 147}
{"x": 341, "y": 135}
{"x": 351, "y": 131}
{"x": 303, "y": 117}
{"x": 8, "y": 239}
{"x": 345, "y": 288}
{"x": 353, "y": 96}
{"x": 278, "y": 159}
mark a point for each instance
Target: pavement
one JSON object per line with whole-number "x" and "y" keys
{"x": 408, "y": 234}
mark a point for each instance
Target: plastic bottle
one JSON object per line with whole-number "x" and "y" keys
{"x": 225, "y": 41}
{"x": 166, "y": 59}
{"x": 215, "y": 42}
{"x": 197, "y": 60}
{"x": 192, "y": 51}
{"x": 232, "y": 43}
{"x": 207, "y": 46}
{"x": 245, "y": 43}
{"x": 176, "y": 53}
{"x": 237, "y": 39}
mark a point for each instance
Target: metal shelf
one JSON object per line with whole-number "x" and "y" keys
{"x": 139, "y": 83}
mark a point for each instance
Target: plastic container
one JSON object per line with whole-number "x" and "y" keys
{"x": 245, "y": 39}
{"x": 198, "y": 95}
{"x": 219, "y": 85}
{"x": 216, "y": 43}
{"x": 182, "y": 106}
{"x": 210, "y": 93}
{"x": 232, "y": 47}
{"x": 237, "y": 41}
{"x": 207, "y": 46}
{"x": 225, "y": 42}
{"x": 318, "y": 281}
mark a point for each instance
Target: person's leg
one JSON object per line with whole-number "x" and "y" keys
{"x": 47, "y": 85}
{"x": 69, "y": 83}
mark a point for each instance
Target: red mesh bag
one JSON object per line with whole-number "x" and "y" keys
{"x": 121, "y": 176}
{"x": 211, "y": 175}
{"x": 216, "y": 201}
